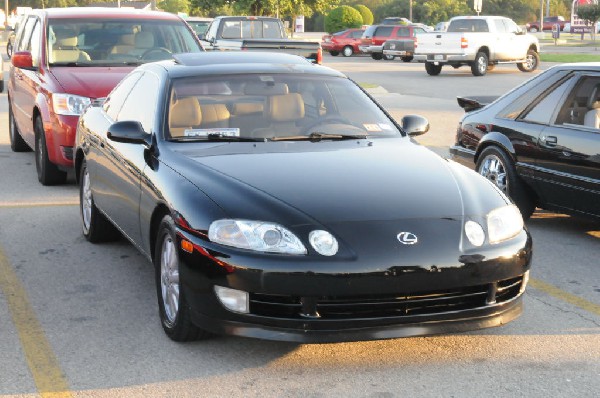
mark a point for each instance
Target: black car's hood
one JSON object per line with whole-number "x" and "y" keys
{"x": 333, "y": 182}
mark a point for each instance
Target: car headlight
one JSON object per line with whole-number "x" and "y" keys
{"x": 255, "y": 235}
{"x": 504, "y": 223}
{"x": 68, "y": 104}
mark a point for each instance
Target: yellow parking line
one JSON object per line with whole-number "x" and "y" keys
{"x": 38, "y": 204}
{"x": 45, "y": 369}
{"x": 564, "y": 296}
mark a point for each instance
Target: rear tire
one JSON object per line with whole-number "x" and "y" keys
{"x": 532, "y": 62}
{"x": 48, "y": 173}
{"x": 175, "y": 313}
{"x": 432, "y": 69}
{"x": 347, "y": 51}
{"x": 495, "y": 165}
{"x": 480, "y": 64}
{"x": 334, "y": 53}
{"x": 377, "y": 56}
{"x": 96, "y": 228}
{"x": 17, "y": 143}
{"x": 407, "y": 59}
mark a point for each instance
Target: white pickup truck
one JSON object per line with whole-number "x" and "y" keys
{"x": 479, "y": 42}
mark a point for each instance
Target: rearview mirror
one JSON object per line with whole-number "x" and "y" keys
{"x": 415, "y": 125}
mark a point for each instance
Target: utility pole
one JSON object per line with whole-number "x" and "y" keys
{"x": 541, "y": 15}
{"x": 409, "y": 10}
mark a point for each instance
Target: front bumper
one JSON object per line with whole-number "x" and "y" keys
{"x": 60, "y": 139}
{"x": 366, "y": 302}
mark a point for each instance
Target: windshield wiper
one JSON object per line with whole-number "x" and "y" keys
{"x": 217, "y": 138}
{"x": 318, "y": 136}
{"x": 72, "y": 64}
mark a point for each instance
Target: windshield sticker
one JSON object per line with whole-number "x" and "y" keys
{"x": 371, "y": 127}
{"x": 221, "y": 132}
{"x": 385, "y": 126}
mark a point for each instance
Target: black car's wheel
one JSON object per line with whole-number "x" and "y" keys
{"x": 389, "y": 57}
{"x": 174, "y": 311}
{"x": 17, "y": 143}
{"x": 334, "y": 53}
{"x": 480, "y": 64}
{"x": 495, "y": 165}
{"x": 432, "y": 69}
{"x": 48, "y": 173}
{"x": 96, "y": 228}
{"x": 377, "y": 56}
{"x": 407, "y": 59}
{"x": 532, "y": 61}
{"x": 347, "y": 51}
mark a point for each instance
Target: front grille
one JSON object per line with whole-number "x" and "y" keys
{"x": 382, "y": 306}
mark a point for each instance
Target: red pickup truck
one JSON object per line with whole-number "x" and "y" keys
{"x": 549, "y": 22}
{"x": 376, "y": 35}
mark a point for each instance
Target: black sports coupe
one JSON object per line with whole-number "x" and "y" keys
{"x": 277, "y": 200}
{"x": 540, "y": 142}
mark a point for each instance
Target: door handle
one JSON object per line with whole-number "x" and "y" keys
{"x": 550, "y": 141}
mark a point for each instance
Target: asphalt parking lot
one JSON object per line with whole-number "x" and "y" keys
{"x": 80, "y": 320}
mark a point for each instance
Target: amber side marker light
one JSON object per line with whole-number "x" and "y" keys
{"x": 595, "y": 234}
{"x": 187, "y": 246}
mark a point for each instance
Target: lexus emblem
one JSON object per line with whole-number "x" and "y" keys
{"x": 407, "y": 238}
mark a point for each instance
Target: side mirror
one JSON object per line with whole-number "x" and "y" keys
{"x": 415, "y": 125}
{"x": 128, "y": 132}
{"x": 22, "y": 60}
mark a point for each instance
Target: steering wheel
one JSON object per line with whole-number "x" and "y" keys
{"x": 332, "y": 119}
{"x": 158, "y": 51}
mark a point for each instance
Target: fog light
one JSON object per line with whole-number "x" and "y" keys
{"x": 232, "y": 299}
{"x": 474, "y": 233}
{"x": 524, "y": 283}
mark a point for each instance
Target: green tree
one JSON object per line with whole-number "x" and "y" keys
{"x": 341, "y": 18}
{"x": 366, "y": 14}
{"x": 210, "y": 8}
{"x": 175, "y": 6}
{"x": 590, "y": 14}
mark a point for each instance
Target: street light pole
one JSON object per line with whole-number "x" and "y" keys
{"x": 409, "y": 9}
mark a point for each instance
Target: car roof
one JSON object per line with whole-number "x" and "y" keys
{"x": 239, "y": 62}
{"x": 103, "y": 12}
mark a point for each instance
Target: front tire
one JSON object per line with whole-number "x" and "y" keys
{"x": 347, "y": 51}
{"x": 48, "y": 173}
{"x": 96, "y": 228}
{"x": 532, "y": 61}
{"x": 377, "y": 56}
{"x": 432, "y": 69}
{"x": 334, "y": 53}
{"x": 480, "y": 64}
{"x": 175, "y": 314}
{"x": 407, "y": 59}
{"x": 17, "y": 143}
{"x": 495, "y": 165}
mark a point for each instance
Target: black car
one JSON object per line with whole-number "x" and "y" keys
{"x": 539, "y": 143}
{"x": 277, "y": 200}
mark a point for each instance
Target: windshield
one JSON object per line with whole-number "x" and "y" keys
{"x": 96, "y": 42}
{"x": 273, "y": 107}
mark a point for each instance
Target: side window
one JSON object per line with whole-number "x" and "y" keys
{"x": 142, "y": 109}
{"x": 117, "y": 97}
{"x": 500, "y": 27}
{"x": 384, "y": 31}
{"x": 582, "y": 105}
{"x": 25, "y": 38}
{"x": 357, "y": 34}
{"x": 543, "y": 112}
{"x": 34, "y": 46}
{"x": 511, "y": 26}
{"x": 416, "y": 31}
{"x": 402, "y": 32}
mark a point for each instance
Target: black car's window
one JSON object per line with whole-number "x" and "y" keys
{"x": 273, "y": 106}
{"x": 144, "y": 96}
{"x": 582, "y": 106}
{"x": 543, "y": 112}
{"x": 117, "y": 97}
{"x": 101, "y": 42}
{"x": 532, "y": 90}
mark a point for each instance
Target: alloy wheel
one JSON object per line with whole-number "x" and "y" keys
{"x": 169, "y": 279}
{"x": 493, "y": 169}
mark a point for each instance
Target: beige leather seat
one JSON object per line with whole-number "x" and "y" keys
{"x": 64, "y": 47}
{"x": 284, "y": 112}
{"x": 185, "y": 114}
{"x": 125, "y": 45}
{"x": 214, "y": 116}
{"x": 143, "y": 41}
{"x": 592, "y": 117}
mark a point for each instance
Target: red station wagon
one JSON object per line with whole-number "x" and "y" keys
{"x": 66, "y": 58}
{"x": 345, "y": 42}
